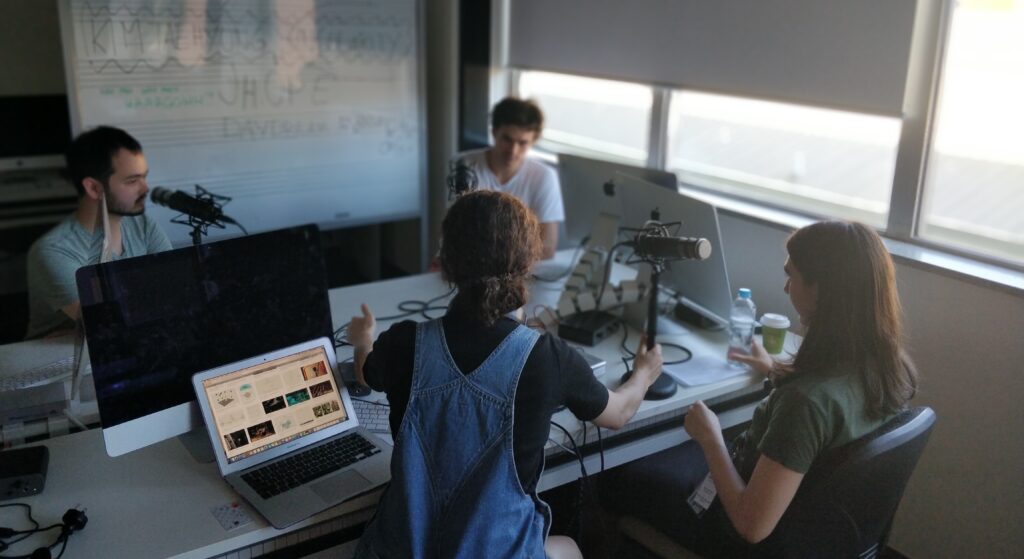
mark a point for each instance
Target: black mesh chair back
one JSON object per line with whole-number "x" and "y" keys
{"x": 847, "y": 501}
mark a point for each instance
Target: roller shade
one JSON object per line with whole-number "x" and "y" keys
{"x": 846, "y": 54}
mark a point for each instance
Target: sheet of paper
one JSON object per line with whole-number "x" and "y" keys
{"x": 703, "y": 369}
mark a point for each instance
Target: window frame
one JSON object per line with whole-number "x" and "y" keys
{"x": 932, "y": 27}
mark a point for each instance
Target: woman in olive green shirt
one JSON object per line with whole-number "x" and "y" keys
{"x": 848, "y": 378}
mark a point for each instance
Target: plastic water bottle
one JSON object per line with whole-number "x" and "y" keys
{"x": 742, "y": 320}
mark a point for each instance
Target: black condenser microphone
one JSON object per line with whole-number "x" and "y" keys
{"x": 461, "y": 178}
{"x": 672, "y": 248}
{"x": 205, "y": 210}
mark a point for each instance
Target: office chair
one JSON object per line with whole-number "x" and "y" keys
{"x": 846, "y": 503}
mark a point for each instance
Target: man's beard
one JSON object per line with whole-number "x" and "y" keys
{"x": 119, "y": 210}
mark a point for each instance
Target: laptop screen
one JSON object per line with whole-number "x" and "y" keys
{"x": 263, "y": 406}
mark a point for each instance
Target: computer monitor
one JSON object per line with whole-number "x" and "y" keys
{"x": 153, "y": 321}
{"x": 585, "y": 197}
{"x": 702, "y": 284}
{"x": 37, "y": 132}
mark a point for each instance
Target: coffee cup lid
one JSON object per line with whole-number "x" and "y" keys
{"x": 773, "y": 320}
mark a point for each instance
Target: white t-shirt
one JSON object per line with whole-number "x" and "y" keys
{"x": 535, "y": 184}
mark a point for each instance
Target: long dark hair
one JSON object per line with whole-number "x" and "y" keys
{"x": 857, "y": 320}
{"x": 490, "y": 240}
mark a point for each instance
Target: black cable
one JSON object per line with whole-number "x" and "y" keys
{"x": 64, "y": 535}
{"x": 577, "y": 519}
{"x": 569, "y": 269}
{"x": 606, "y": 275}
{"x": 24, "y": 533}
{"x": 408, "y": 308}
{"x": 62, "y": 539}
{"x": 412, "y": 307}
{"x": 631, "y": 354}
{"x": 575, "y": 449}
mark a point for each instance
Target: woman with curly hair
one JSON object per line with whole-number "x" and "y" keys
{"x": 472, "y": 395}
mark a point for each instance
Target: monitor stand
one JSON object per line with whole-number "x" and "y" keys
{"x": 197, "y": 443}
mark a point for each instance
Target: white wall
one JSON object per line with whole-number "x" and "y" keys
{"x": 966, "y": 498}
{"x": 30, "y": 48}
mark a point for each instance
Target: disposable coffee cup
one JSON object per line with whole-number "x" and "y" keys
{"x": 773, "y": 332}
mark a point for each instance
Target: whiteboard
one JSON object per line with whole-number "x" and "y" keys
{"x": 302, "y": 111}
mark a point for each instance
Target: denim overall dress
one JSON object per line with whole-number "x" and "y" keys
{"x": 454, "y": 490}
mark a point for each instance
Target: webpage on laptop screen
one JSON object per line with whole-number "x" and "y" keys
{"x": 267, "y": 405}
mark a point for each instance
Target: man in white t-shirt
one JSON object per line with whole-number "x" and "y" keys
{"x": 516, "y": 125}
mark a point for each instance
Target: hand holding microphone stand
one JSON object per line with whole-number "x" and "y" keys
{"x": 655, "y": 246}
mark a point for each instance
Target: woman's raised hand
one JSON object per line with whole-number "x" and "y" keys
{"x": 361, "y": 328}
{"x": 758, "y": 359}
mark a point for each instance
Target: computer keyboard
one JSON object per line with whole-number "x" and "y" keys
{"x": 372, "y": 416}
{"x": 45, "y": 374}
{"x": 278, "y": 477}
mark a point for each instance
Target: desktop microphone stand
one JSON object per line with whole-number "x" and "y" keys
{"x": 200, "y": 225}
{"x": 664, "y": 386}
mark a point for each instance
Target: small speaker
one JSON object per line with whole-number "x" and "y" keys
{"x": 23, "y": 471}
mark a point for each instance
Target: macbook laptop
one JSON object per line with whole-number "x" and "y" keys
{"x": 285, "y": 434}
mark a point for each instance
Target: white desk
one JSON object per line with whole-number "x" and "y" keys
{"x": 156, "y": 502}
{"x": 382, "y": 298}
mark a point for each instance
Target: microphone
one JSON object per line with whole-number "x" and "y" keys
{"x": 205, "y": 210}
{"x": 461, "y": 178}
{"x": 672, "y": 248}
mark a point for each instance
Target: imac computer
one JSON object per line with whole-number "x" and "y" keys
{"x": 37, "y": 132}
{"x": 586, "y": 196}
{"x": 153, "y": 321}
{"x": 703, "y": 285}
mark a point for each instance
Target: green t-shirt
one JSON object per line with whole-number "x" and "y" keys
{"x": 60, "y": 252}
{"x": 806, "y": 415}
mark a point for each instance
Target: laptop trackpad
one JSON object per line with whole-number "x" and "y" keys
{"x": 340, "y": 487}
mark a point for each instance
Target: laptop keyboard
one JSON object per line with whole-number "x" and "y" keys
{"x": 374, "y": 417}
{"x": 308, "y": 465}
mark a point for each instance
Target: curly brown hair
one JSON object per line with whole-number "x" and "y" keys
{"x": 490, "y": 242}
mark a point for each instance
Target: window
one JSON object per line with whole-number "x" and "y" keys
{"x": 589, "y": 116}
{"x": 974, "y": 180}
{"x": 821, "y": 161}
{"x": 960, "y": 160}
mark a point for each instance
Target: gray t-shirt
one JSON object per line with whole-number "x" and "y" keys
{"x": 57, "y": 255}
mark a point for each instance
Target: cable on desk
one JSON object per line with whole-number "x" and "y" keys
{"x": 608, "y": 268}
{"x": 572, "y": 264}
{"x": 412, "y": 307}
{"x": 408, "y": 308}
{"x": 339, "y": 336}
{"x": 24, "y": 533}
{"x": 73, "y": 520}
{"x": 631, "y": 354}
